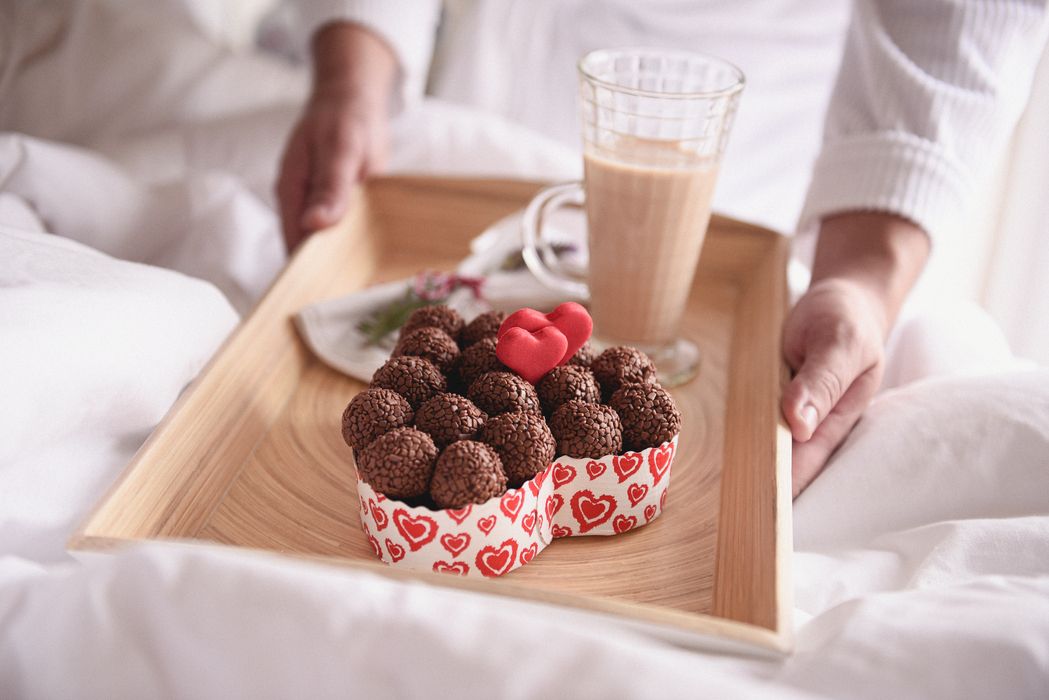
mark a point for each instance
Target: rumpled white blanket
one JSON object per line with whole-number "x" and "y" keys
{"x": 921, "y": 561}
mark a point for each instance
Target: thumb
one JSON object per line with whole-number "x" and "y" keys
{"x": 826, "y": 372}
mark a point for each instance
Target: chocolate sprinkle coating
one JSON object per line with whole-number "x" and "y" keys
{"x": 373, "y": 412}
{"x": 484, "y": 326}
{"x": 648, "y": 414}
{"x": 503, "y": 392}
{"x": 399, "y": 463}
{"x": 414, "y": 378}
{"x": 587, "y": 430}
{"x": 622, "y": 365}
{"x": 449, "y": 418}
{"x": 565, "y": 383}
{"x": 584, "y": 356}
{"x": 524, "y": 444}
{"x": 467, "y": 472}
{"x": 432, "y": 344}
{"x": 443, "y": 317}
{"x": 477, "y": 359}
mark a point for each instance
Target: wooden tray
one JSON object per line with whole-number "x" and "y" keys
{"x": 251, "y": 455}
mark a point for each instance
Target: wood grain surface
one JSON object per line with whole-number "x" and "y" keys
{"x": 252, "y": 455}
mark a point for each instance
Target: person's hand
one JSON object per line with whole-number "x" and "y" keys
{"x": 834, "y": 338}
{"x": 342, "y": 135}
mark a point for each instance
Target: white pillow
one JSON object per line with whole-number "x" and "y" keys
{"x": 93, "y": 351}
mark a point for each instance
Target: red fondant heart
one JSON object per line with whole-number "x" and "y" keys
{"x": 570, "y": 318}
{"x": 575, "y": 323}
{"x": 531, "y": 354}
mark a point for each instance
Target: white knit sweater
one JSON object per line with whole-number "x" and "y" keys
{"x": 927, "y": 94}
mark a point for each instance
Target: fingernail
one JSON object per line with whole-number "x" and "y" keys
{"x": 810, "y": 417}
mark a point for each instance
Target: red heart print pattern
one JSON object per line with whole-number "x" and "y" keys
{"x": 663, "y": 499}
{"x": 455, "y": 544}
{"x": 571, "y": 319}
{"x": 549, "y": 507}
{"x": 591, "y": 511}
{"x": 528, "y": 554}
{"x": 558, "y": 501}
{"x": 460, "y": 568}
{"x": 650, "y": 512}
{"x": 459, "y": 515}
{"x": 381, "y": 521}
{"x": 511, "y": 503}
{"x": 636, "y": 493}
{"x": 417, "y": 530}
{"x": 531, "y": 354}
{"x": 558, "y": 531}
{"x": 659, "y": 460}
{"x": 528, "y": 521}
{"x": 538, "y": 480}
{"x": 375, "y": 546}
{"x": 364, "y": 507}
{"x": 595, "y": 469}
{"x": 626, "y": 466}
{"x": 495, "y": 561}
{"x": 396, "y": 551}
{"x": 622, "y": 523}
{"x": 486, "y": 525}
{"x": 562, "y": 474}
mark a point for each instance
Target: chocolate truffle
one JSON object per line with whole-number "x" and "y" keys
{"x": 648, "y": 414}
{"x": 587, "y": 430}
{"x": 622, "y": 365}
{"x": 414, "y": 378}
{"x": 444, "y": 317}
{"x": 467, "y": 472}
{"x": 373, "y": 412}
{"x": 484, "y": 326}
{"x": 477, "y": 359}
{"x": 565, "y": 383}
{"x": 503, "y": 392}
{"x": 399, "y": 463}
{"x": 583, "y": 356}
{"x": 524, "y": 444}
{"x": 432, "y": 344}
{"x": 448, "y": 418}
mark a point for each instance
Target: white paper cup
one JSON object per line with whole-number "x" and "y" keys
{"x": 571, "y": 497}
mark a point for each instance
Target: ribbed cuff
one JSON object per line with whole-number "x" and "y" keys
{"x": 408, "y": 26}
{"x": 893, "y": 172}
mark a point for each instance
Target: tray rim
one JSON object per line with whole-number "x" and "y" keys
{"x": 706, "y": 631}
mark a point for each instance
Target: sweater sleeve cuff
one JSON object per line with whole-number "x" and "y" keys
{"x": 892, "y": 172}
{"x": 408, "y": 26}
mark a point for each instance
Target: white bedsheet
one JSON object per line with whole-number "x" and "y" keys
{"x": 921, "y": 562}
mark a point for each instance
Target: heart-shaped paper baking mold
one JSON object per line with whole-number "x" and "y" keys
{"x": 571, "y": 497}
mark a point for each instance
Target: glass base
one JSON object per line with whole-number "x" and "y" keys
{"x": 675, "y": 364}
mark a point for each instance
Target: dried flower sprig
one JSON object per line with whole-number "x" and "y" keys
{"x": 428, "y": 288}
